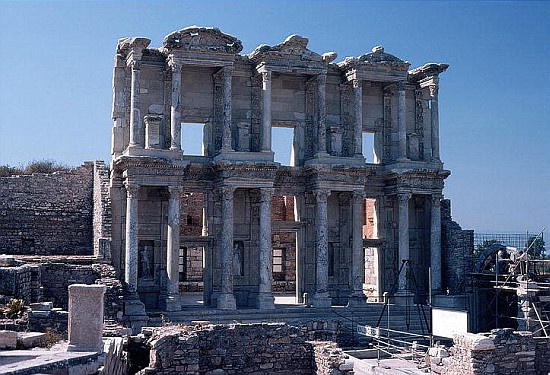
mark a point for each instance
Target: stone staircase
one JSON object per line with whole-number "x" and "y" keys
{"x": 401, "y": 318}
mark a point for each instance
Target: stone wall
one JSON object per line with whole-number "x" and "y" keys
{"x": 457, "y": 247}
{"x": 102, "y": 216}
{"x": 16, "y": 282}
{"x": 241, "y": 349}
{"x": 47, "y": 213}
{"x": 502, "y": 351}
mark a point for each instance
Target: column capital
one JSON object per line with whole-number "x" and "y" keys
{"x": 358, "y": 195}
{"x": 133, "y": 63}
{"x": 227, "y": 192}
{"x": 322, "y": 195}
{"x": 436, "y": 199}
{"x": 175, "y": 191}
{"x": 174, "y": 64}
{"x": 266, "y": 75}
{"x": 132, "y": 189}
{"x": 322, "y": 78}
{"x": 403, "y": 198}
{"x": 434, "y": 90}
{"x": 266, "y": 194}
{"x": 357, "y": 83}
{"x": 401, "y": 85}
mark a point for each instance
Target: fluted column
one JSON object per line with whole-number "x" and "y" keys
{"x": 172, "y": 249}
{"x": 435, "y": 122}
{"x": 402, "y": 121}
{"x": 358, "y": 117}
{"x": 265, "y": 295}
{"x": 175, "y": 105}
{"x": 321, "y": 113}
{"x": 322, "y": 297}
{"x": 403, "y": 199}
{"x": 435, "y": 242}
{"x": 357, "y": 296}
{"x": 135, "y": 115}
{"x": 266, "y": 111}
{"x": 226, "y": 300}
{"x": 227, "y": 72}
{"x": 131, "y": 251}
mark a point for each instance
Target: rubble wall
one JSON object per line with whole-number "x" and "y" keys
{"x": 15, "y": 282}
{"x": 456, "y": 250}
{"x": 242, "y": 349}
{"x": 46, "y": 214}
{"x": 102, "y": 216}
{"x": 502, "y": 351}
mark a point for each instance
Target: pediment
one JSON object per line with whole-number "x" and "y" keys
{"x": 376, "y": 58}
{"x": 293, "y": 47}
{"x": 202, "y": 39}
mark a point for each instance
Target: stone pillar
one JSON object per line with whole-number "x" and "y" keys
{"x": 266, "y": 111}
{"x": 403, "y": 199}
{"x": 173, "y": 302}
{"x": 135, "y": 115}
{"x": 435, "y": 122}
{"x": 265, "y": 295}
{"x": 435, "y": 243}
{"x": 357, "y": 296}
{"x": 86, "y": 318}
{"x": 321, "y": 113}
{"x": 322, "y": 298}
{"x": 402, "y": 122}
{"x": 358, "y": 117}
{"x": 175, "y": 105}
{"x": 226, "y": 121}
{"x": 131, "y": 254}
{"x": 226, "y": 300}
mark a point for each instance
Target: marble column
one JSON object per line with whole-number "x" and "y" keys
{"x": 173, "y": 302}
{"x": 358, "y": 117}
{"x": 357, "y": 296}
{"x": 402, "y": 122}
{"x": 403, "y": 199}
{"x": 226, "y": 300}
{"x": 131, "y": 253}
{"x": 435, "y": 243}
{"x": 135, "y": 115}
{"x": 227, "y": 72}
{"x": 321, "y": 113}
{"x": 175, "y": 106}
{"x": 265, "y": 295}
{"x": 322, "y": 298}
{"x": 435, "y": 122}
{"x": 266, "y": 111}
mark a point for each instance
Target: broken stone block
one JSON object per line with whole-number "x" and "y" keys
{"x": 27, "y": 340}
{"x": 41, "y": 306}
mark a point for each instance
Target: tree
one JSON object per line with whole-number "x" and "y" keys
{"x": 536, "y": 247}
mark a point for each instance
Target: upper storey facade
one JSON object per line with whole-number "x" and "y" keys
{"x": 199, "y": 76}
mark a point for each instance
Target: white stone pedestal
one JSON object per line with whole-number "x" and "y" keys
{"x": 85, "y": 318}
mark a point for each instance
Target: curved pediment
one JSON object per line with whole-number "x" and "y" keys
{"x": 294, "y": 46}
{"x": 378, "y": 56}
{"x": 202, "y": 39}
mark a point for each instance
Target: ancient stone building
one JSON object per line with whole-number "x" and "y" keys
{"x": 198, "y": 78}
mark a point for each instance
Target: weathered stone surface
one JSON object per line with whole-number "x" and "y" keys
{"x": 86, "y": 318}
{"x": 8, "y": 339}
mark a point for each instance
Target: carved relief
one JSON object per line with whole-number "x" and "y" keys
{"x": 204, "y": 39}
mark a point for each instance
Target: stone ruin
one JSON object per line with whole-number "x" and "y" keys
{"x": 336, "y": 223}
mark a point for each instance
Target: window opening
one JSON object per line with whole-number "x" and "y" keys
{"x": 282, "y": 139}
{"x": 368, "y": 147}
{"x": 193, "y": 138}
{"x": 182, "y": 264}
{"x": 331, "y": 262}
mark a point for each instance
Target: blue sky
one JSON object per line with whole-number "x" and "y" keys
{"x": 56, "y": 62}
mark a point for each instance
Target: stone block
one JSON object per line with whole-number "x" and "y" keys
{"x": 8, "y": 339}
{"x": 29, "y": 340}
{"x": 41, "y": 306}
{"x": 86, "y": 317}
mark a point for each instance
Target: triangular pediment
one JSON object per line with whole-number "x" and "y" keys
{"x": 202, "y": 39}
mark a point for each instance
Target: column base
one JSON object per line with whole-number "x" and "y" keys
{"x": 134, "y": 313}
{"x": 322, "y": 300}
{"x": 265, "y": 301}
{"x": 173, "y": 302}
{"x": 226, "y": 301}
{"x": 357, "y": 299}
